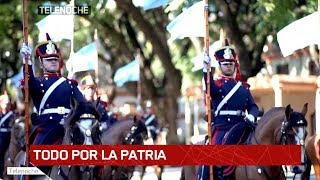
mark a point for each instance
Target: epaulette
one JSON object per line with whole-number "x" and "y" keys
{"x": 105, "y": 104}
{"x": 246, "y": 84}
{"x": 75, "y": 82}
{"x": 218, "y": 82}
{"x": 21, "y": 82}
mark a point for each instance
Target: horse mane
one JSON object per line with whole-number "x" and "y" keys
{"x": 120, "y": 129}
{"x": 272, "y": 113}
{"x": 120, "y": 123}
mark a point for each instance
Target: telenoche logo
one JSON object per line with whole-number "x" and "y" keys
{"x": 64, "y": 10}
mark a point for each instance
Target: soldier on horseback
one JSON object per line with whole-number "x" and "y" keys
{"x": 90, "y": 93}
{"x": 51, "y": 94}
{"x": 151, "y": 121}
{"x": 233, "y": 107}
{"x": 7, "y": 117}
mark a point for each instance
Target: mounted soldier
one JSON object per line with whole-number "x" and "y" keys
{"x": 90, "y": 92}
{"x": 151, "y": 121}
{"x": 51, "y": 94}
{"x": 233, "y": 104}
{"x": 7, "y": 118}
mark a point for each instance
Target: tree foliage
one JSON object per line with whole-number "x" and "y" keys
{"x": 126, "y": 32}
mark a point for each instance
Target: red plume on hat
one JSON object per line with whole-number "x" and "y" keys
{"x": 238, "y": 75}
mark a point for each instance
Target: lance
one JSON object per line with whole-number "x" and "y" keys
{"x": 208, "y": 98}
{"x": 26, "y": 82}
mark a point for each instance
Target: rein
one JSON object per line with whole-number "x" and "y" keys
{"x": 283, "y": 140}
{"x": 129, "y": 139}
{"x": 87, "y": 134}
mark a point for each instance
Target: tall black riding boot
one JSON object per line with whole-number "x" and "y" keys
{"x": 218, "y": 173}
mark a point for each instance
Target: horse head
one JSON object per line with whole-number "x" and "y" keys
{"x": 293, "y": 129}
{"x": 279, "y": 125}
{"x": 81, "y": 128}
{"x": 18, "y": 133}
{"x": 82, "y": 124}
{"x": 138, "y": 132}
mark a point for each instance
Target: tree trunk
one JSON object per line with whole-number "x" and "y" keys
{"x": 167, "y": 106}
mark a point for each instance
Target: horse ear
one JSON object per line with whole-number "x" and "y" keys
{"x": 305, "y": 109}
{"x": 135, "y": 119}
{"x": 96, "y": 103}
{"x": 73, "y": 103}
{"x": 289, "y": 110}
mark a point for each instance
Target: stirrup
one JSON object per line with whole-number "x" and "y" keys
{"x": 206, "y": 140}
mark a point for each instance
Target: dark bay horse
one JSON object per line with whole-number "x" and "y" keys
{"x": 17, "y": 141}
{"x": 81, "y": 128}
{"x": 128, "y": 131}
{"x": 160, "y": 140}
{"x": 277, "y": 126}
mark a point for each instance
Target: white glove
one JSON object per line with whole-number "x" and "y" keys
{"x": 250, "y": 118}
{"x": 103, "y": 126}
{"x": 206, "y": 61}
{"x": 26, "y": 51}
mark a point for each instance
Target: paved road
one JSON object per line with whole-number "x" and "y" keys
{"x": 173, "y": 173}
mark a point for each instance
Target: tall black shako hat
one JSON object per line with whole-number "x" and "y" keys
{"x": 47, "y": 50}
{"x": 227, "y": 53}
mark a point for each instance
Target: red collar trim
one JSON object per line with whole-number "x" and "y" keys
{"x": 51, "y": 75}
{"x": 227, "y": 78}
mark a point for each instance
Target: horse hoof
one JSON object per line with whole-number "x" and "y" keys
{"x": 124, "y": 176}
{"x": 296, "y": 170}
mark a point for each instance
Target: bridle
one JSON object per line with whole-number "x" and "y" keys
{"x": 85, "y": 128}
{"x": 130, "y": 137}
{"x": 86, "y": 123}
{"x": 285, "y": 127}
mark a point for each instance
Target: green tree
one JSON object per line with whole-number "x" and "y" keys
{"x": 127, "y": 31}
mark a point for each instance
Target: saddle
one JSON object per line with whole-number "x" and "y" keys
{"x": 240, "y": 133}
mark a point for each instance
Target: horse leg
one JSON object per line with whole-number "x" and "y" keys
{"x": 160, "y": 173}
{"x": 155, "y": 167}
{"x": 306, "y": 173}
{"x": 189, "y": 172}
{"x": 143, "y": 171}
{"x": 182, "y": 176}
{"x": 312, "y": 149}
{"x": 107, "y": 172}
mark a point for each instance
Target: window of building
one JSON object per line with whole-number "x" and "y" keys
{"x": 282, "y": 69}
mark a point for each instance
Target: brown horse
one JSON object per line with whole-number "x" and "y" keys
{"x": 17, "y": 141}
{"x": 128, "y": 131}
{"x": 313, "y": 150}
{"x": 277, "y": 126}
